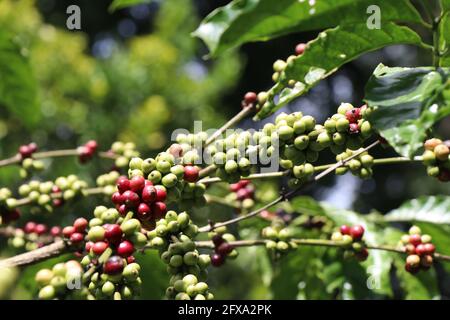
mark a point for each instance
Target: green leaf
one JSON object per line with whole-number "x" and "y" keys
{"x": 430, "y": 209}
{"x": 444, "y": 40}
{"x": 120, "y": 4}
{"x": 407, "y": 101}
{"x": 329, "y": 51}
{"x": 18, "y": 88}
{"x": 244, "y": 21}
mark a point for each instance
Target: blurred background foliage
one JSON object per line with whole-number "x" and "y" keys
{"x": 136, "y": 75}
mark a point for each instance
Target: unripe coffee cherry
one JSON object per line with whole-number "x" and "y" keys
{"x": 413, "y": 260}
{"x": 95, "y": 234}
{"x": 430, "y": 144}
{"x": 414, "y": 230}
{"x": 441, "y": 151}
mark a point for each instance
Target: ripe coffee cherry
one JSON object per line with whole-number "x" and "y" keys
{"x": 217, "y": 260}
{"x": 113, "y": 233}
{"x": 131, "y": 199}
{"x": 29, "y": 227}
{"x": 80, "y": 224}
{"x": 159, "y": 209}
{"x": 91, "y": 144}
{"x": 429, "y": 248}
{"x": 122, "y": 210}
{"x": 300, "y": 48}
{"x": 40, "y": 228}
{"x": 357, "y": 232}
{"x": 137, "y": 183}
{"x": 67, "y": 231}
{"x": 415, "y": 239}
{"x": 114, "y": 265}
{"x": 117, "y": 198}
{"x": 217, "y": 240}
{"x": 224, "y": 249}
{"x": 123, "y": 184}
{"x": 88, "y": 246}
{"x": 25, "y": 151}
{"x": 55, "y": 231}
{"x": 362, "y": 255}
{"x": 420, "y": 249}
{"x": 144, "y": 210}
{"x": 354, "y": 128}
{"x": 149, "y": 194}
{"x": 353, "y": 115}
{"x": 161, "y": 194}
{"x": 76, "y": 237}
{"x": 410, "y": 249}
{"x": 125, "y": 249}
{"x": 250, "y": 97}
{"x": 345, "y": 229}
{"x": 191, "y": 173}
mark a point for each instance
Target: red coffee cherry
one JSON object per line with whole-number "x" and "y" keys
{"x": 217, "y": 260}
{"x": 76, "y": 237}
{"x": 191, "y": 173}
{"x": 125, "y": 249}
{"x": 415, "y": 239}
{"x": 357, "y": 232}
{"x": 113, "y": 233}
{"x": 250, "y": 97}
{"x": 114, "y": 265}
{"x": 123, "y": 184}
{"x": 25, "y": 151}
{"x": 29, "y": 227}
{"x": 122, "y": 209}
{"x": 68, "y": 231}
{"x": 345, "y": 229}
{"x": 144, "y": 211}
{"x": 137, "y": 183}
{"x": 217, "y": 240}
{"x": 99, "y": 247}
{"x": 40, "y": 228}
{"x": 80, "y": 224}
{"x": 224, "y": 248}
{"x": 354, "y": 128}
{"x": 88, "y": 246}
{"x": 362, "y": 255}
{"x": 55, "y": 231}
{"x": 159, "y": 209}
{"x": 429, "y": 248}
{"x": 300, "y": 48}
{"x": 92, "y": 145}
{"x": 149, "y": 194}
{"x": 161, "y": 194}
{"x": 131, "y": 199}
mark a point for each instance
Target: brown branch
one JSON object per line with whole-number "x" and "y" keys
{"x": 52, "y": 250}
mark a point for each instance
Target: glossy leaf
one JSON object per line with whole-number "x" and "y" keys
{"x": 444, "y": 41}
{"x": 18, "y": 90}
{"x": 332, "y": 49}
{"x": 244, "y": 21}
{"x": 430, "y": 209}
{"x": 407, "y": 101}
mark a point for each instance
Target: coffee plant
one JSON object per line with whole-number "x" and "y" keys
{"x": 162, "y": 203}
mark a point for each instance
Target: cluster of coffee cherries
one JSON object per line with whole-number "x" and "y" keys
{"x": 172, "y": 237}
{"x": 33, "y": 235}
{"x": 278, "y": 237}
{"x": 8, "y": 210}
{"x": 87, "y": 151}
{"x": 360, "y": 166}
{"x": 419, "y": 249}
{"x": 62, "y": 281}
{"x": 223, "y": 250}
{"x": 108, "y": 182}
{"x": 437, "y": 158}
{"x": 124, "y": 152}
{"x": 139, "y": 195}
{"x": 29, "y": 165}
{"x": 47, "y": 195}
{"x": 244, "y": 192}
{"x": 110, "y": 242}
{"x": 352, "y": 239}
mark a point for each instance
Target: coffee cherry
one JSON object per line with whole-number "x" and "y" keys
{"x": 161, "y": 194}
{"x": 420, "y": 249}
{"x": 113, "y": 233}
{"x": 191, "y": 173}
{"x": 137, "y": 183}
{"x": 217, "y": 260}
{"x": 131, "y": 199}
{"x": 250, "y": 97}
{"x": 30, "y": 227}
{"x": 429, "y": 248}
{"x": 25, "y": 151}
{"x": 415, "y": 239}
{"x": 362, "y": 255}
{"x": 413, "y": 260}
{"x": 159, "y": 209}
{"x": 414, "y": 230}
{"x": 68, "y": 231}
{"x": 125, "y": 249}
{"x": 96, "y": 233}
{"x": 123, "y": 184}
{"x": 76, "y": 237}
{"x": 114, "y": 265}
{"x": 40, "y": 229}
{"x": 99, "y": 247}
{"x": 55, "y": 231}
{"x": 300, "y": 48}
{"x": 224, "y": 248}
{"x": 80, "y": 224}
{"x": 345, "y": 229}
